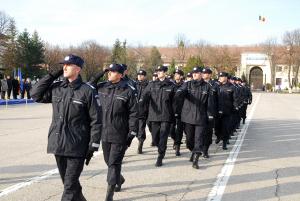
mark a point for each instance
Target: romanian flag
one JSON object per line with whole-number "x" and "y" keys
{"x": 261, "y": 18}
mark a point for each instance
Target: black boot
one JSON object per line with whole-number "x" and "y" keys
{"x": 205, "y": 152}
{"x": 244, "y": 120}
{"x": 196, "y": 159}
{"x": 224, "y": 145}
{"x": 177, "y": 150}
{"x": 110, "y": 192}
{"x": 159, "y": 160}
{"x": 140, "y": 147}
{"x": 119, "y": 185}
{"x": 192, "y": 157}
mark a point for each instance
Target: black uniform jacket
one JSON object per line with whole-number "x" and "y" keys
{"x": 119, "y": 111}
{"x": 157, "y": 100}
{"x": 228, "y": 99}
{"x": 76, "y": 120}
{"x": 195, "y": 98}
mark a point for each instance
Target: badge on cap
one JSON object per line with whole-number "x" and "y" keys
{"x": 111, "y": 65}
{"x": 67, "y": 58}
{"x": 195, "y": 68}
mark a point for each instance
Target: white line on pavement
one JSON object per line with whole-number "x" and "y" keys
{"x": 218, "y": 189}
{"x": 32, "y": 180}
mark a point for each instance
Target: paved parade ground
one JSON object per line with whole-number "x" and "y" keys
{"x": 262, "y": 162}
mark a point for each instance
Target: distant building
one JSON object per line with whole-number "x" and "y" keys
{"x": 256, "y": 68}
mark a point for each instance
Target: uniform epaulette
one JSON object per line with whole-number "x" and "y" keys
{"x": 90, "y": 85}
{"x": 132, "y": 87}
{"x": 100, "y": 84}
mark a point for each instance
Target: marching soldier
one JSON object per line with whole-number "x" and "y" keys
{"x": 177, "y": 126}
{"x": 228, "y": 103}
{"x": 194, "y": 99}
{"x": 157, "y": 100}
{"x": 119, "y": 114}
{"x": 141, "y": 85}
{"x": 206, "y": 75}
{"x": 247, "y": 101}
{"x": 75, "y": 130}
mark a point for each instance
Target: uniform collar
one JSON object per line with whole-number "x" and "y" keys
{"x": 75, "y": 84}
{"x": 121, "y": 84}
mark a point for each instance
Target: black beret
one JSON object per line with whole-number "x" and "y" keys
{"x": 142, "y": 72}
{"x": 73, "y": 59}
{"x": 116, "y": 68}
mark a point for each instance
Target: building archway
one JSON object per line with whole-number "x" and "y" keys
{"x": 256, "y": 78}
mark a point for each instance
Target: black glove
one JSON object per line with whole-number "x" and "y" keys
{"x": 177, "y": 116}
{"x": 210, "y": 121}
{"x": 249, "y": 103}
{"x": 57, "y": 73}
{"x": 93, "y": 81}
{"x": 89, "y": 156}
{"x": 130, "y": 137}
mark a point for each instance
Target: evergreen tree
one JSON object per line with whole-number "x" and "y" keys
{"x": 191, "y": 63}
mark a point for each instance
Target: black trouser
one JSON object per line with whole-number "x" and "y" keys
{"x": 194, "y": 137}
{"x": 142, "y": 132}
{"x": 218, "y": 131}
{"x": 149, "y": 125}
{"x": 208, "y": 134}
{"x": 177, "y": 131}
{"x": 225, "y": 126}
{"x": 15, "y": 94}
{"x": 113, "y": 156}
{"x": 244, "y": 111}
{"x": 3, "y": 94}
{"x": 70, "y": 169}
{"x": 160, "y": 133}
{"x": 8, "y": 93}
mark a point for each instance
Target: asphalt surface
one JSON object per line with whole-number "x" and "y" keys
{"x": 267, "y": 166}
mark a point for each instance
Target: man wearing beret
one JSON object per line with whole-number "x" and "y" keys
{"x": 206, "y": 75}
{"x": 157, "y": 99}
{"x": 227, "y": 104}
{"x": 75, "y": 130}
{"x": 192, "y": 101}
{"x": 141, "y": 85}
{"x": 177, "y": 126}
{"x": 120, "y": 124}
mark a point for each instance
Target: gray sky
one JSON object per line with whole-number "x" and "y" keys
{"x": 154, "y": 22}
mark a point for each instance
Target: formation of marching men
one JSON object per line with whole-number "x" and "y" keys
{"x": 117, "y": 110}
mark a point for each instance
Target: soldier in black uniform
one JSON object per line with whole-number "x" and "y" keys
{"x": 157, "y": 100}
{"x": 227, "y": 104}
{"x": 141, "y": 85}
{"x": 206, "y": 75}
{"x": 194, "y": 99}
{"x": 177, "y": 126}
{"x": 236, "y": 118}
{"x": 247, "y": 101}
{"x": 120, "y": 124}
{"x": 75, "y": 130}
{"x": 189, "y": 76}
{"x": 16, "y": 87}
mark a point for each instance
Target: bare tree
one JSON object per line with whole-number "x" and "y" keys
{"x": 53, "y": 55}
{"x": 94, "y": 55}
{"x": 289, "y": 42}
{"x": 269, "y": 48}
{"x": 181, "y": 44}
{"x": 202, "y": 47}
{"x": 297, "y": 55}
